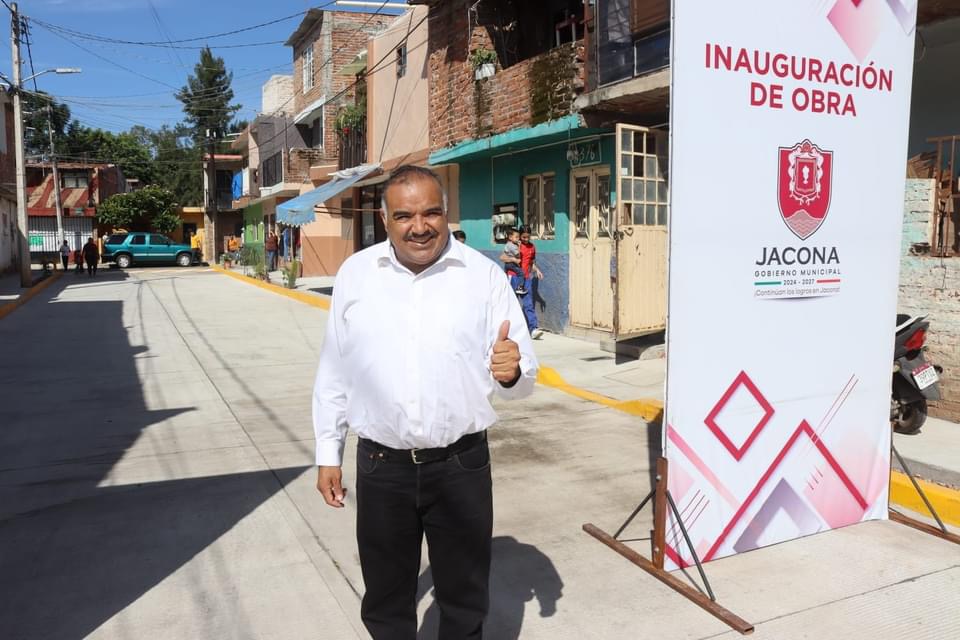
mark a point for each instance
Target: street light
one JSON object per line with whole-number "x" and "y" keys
{"x": 12, "y": 86}
{"x": 58, "y": 70}
{"x": 16, "y": 88}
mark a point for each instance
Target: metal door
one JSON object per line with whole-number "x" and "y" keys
{"x": 591, "y": 249}
{"x": 643, "y": 208}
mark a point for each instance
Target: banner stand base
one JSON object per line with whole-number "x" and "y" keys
{"x": 941, "y": 530}
{"x": 654, "y": 567}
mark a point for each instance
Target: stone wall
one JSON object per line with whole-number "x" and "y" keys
{"x": 931, "y": 286}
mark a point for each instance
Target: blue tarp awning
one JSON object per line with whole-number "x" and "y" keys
{"x": 299, "y": 211}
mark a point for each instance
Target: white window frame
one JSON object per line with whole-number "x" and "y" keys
{"x": 306, "y": 64}
{"x": 537, "y": 220}
{"x": 645, "y": 195}
{"x": 69, "y": 180}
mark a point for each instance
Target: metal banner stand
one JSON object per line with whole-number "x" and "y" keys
{"x": 896, "y": 516}
{"x": 661, "y": 500}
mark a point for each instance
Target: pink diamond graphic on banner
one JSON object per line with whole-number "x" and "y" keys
{"x": 905, "y": 11}
{"x": 744, "y": 411}
{"x": 858, "y": 24}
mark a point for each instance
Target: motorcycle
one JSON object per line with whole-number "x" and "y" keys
{"x": 915, "y": 381}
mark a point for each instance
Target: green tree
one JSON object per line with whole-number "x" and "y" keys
{"x": 35, "y": 109}
{"x": 178, "y": 164}
{"x": 152, "y": 208}
{"x": 207, "y": 98}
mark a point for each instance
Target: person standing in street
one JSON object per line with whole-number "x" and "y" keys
{"x": 197, "y": 255}
{"x": 78, "y": 260}
{"x": 270, "y": 246}
{"x": 91, "y": 255}
{"x": 528, "y": 264}
{"x": 422, "y": 332}
{"x": 65, "y": 255}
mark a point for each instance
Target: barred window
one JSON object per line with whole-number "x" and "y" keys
{"x": 538, "y": 205}
{"x": 307, "y": 60}
{"x": 272, "y": 171}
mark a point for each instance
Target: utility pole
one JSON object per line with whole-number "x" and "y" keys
{"x": 212, "y": 207}
{"x": 26, "y": 280}
{"x": 56, "y": 178}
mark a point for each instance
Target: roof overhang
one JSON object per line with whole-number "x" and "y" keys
{"x": 645, "y": 93}
{"x": 310, "y": 20}
{"x": 310, "y": 111}
{"x": 357, "y": 65}
{"x": 300, "y": 210}
{"x": 515, "y": 140}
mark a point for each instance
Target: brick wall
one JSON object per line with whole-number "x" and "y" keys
{"x": 462, "y": 107}
{"x": 335, "y": 41}
{"x": 931, "y": 286}
{"x": 298, "y": 163}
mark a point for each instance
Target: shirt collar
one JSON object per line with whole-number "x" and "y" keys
{"x": 453, "y": 253}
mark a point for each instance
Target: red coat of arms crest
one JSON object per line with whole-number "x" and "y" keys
{"x": 804, "y": 193}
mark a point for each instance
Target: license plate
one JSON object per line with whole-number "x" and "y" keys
{"x": 925, "y": 375}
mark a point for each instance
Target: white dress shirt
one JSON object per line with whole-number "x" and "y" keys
{"x": 406, "y": 358}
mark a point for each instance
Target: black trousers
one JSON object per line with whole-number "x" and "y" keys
{"x": 65, "y": 261}
{"x": 398, "y": 503}
{"x": 91, "y": 267}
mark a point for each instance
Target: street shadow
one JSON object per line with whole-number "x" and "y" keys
{"x": 78, "y": 545}
{"x": 327, "y": 291}
{"x": 519, "y": 573}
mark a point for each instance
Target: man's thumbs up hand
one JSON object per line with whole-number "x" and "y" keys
{"x": 505, "y": 362}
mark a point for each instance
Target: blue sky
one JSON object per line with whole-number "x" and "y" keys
{"x": 109, "y": 97}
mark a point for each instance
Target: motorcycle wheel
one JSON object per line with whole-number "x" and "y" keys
{"x": 911, "y": 418}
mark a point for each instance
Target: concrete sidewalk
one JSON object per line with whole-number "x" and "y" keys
{"x": 171, "y": 495}
{"x": 574, "y": 365}
{"x": 10, "y": 288}
{"x": 932, "y": 454}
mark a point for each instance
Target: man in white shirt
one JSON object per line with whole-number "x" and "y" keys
{"x": 422, "y": 332}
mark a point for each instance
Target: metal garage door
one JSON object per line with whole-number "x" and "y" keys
{"x": 43, "y": 232}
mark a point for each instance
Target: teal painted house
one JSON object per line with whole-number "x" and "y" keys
{"x": 560, "y": 123}
{"x": 527, "y": 172}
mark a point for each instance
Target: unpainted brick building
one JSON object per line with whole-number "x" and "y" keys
{"x": 930, "y": 286}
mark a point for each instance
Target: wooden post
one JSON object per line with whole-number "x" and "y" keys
{"x": 659, "y": 537}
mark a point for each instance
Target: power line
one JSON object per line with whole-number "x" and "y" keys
{"x": 283, "y": 130}
{"x": 170, "y": 43}
{"x": 107, "y": 60}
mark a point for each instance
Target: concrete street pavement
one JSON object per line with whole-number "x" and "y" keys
{"x": 156, "y": 480}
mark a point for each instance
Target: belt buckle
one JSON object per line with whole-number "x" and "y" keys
{"x": 413, "y": 456}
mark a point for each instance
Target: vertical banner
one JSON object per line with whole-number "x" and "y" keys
{"x": 789, "y": 124}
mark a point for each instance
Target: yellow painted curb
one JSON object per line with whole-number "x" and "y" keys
{"x": 945, "y": 500}
{"x": 300, "y": 296}
{"x": 646, "y": 408}
{"x": 25, "y": 297}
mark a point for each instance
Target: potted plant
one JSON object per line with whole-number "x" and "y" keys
{"x": 484, "y": 62}
{"x": 351, "y": 117}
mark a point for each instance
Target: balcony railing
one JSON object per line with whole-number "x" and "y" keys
{"x": 352, "y": 145}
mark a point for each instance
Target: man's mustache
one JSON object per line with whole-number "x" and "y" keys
{"x": 421, "y": 236}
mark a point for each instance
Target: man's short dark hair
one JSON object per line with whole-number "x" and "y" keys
{"x": 404, "y": 174}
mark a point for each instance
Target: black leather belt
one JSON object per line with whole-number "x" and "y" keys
{"x": 423, "y": 456}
